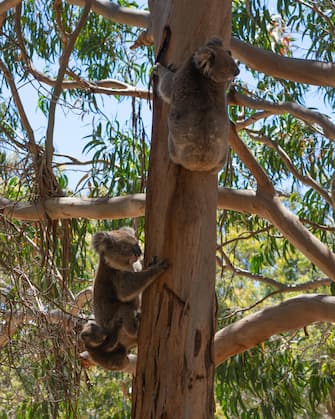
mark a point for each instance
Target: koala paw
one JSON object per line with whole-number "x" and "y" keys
{"x": 172, "y": 68}
{"x": 157, "y": 69}
{"x": 161, "y": 265}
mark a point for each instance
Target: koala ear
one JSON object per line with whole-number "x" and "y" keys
{"x": 215, "y": 41}
{"x": 203, "y": 59}
{"x": 100, "y": 239}
{"x": 128, "y": 230}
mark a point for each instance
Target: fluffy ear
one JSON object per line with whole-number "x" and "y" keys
{"x": 204, "y": 59}
{"x": 215, "y": 41}
{"x": 99, "y": 241}
{"x": 128, "y": 230}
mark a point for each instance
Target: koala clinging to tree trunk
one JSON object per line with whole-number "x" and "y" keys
{"x": 198, "y": 119}
{"x": 116, "y": 298}
{"x": 104, "y": 349}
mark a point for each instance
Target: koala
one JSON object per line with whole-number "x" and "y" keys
{"x": 105, "y": 350}
{"x": 198, "y": 119}
{"x": 117, "y": 290}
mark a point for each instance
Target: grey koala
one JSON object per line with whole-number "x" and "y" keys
{"x": 117, "y": 290}
{"x": 198, "y": 120}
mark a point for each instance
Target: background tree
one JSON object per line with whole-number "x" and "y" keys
{"x": 275, "y": 218}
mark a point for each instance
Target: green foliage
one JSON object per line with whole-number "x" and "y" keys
{"x": 275, "y": 380}
{"x": 45, "y": 264}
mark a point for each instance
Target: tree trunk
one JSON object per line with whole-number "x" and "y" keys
{"x": 175, "y": 370}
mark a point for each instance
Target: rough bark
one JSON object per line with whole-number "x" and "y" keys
{"x": 176, "y": 361}
{"x": 294, "y": 313}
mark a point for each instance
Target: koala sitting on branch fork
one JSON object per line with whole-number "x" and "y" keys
{"x": 117, "y": 289}
{"x": 198, "y": 120}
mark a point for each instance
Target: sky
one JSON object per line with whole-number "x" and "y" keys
{"x": 71, "y": 127}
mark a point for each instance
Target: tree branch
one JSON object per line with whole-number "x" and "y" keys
{"x": 108, "y": 87}
{"x": 105, "y": 8}
{"x": 263, "y": 181}
{"x": 245, "y": 201}
{"x": 280, "y": 287}
{"x": 292, "y": 314}
{"x": 270, "y": 207}
{"x": 306, "y": 179}
{"x": 308, "y": 116}
{"x": 12, "y": 320}
{"x": 18, "y": 103}
{"x": 116, "y": 13}
{"x": 294, "y": 69}
{"x": 302, "y": 71}
{"x": 66, "y": 208}
{"x": 238, "y": 337}
{"x": 64, "y": 59}
{"x": 5, "y": 5}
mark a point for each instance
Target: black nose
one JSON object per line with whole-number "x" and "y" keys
{"x": 137, "y": 250}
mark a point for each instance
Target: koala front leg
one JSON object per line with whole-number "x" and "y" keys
{"x": 165, "y": 82}
{"x": 131, "y": 284}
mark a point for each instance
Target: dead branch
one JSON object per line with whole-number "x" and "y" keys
{"x": 13, "y": 320}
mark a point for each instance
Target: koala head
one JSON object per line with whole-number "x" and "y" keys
{"x": 215, "y": 62}
{"x": 92, "y": 335}
{"x": 118, "y": 248}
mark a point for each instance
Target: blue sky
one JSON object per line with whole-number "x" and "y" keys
{"x": 71, "y": 127}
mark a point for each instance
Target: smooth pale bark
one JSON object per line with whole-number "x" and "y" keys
{"x": 294, "y": 313}
{"x": 245, "y": 201}
{"x": 116, "y": 13}
{"x": 175, "y": 371}
{"x": 128, "y": 206}
{"x": 280, "y": 67}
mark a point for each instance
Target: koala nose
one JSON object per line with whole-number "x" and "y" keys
{"x": 137, "y": 250}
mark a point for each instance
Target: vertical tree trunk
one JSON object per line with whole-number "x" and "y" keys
{"x": 175, "y": 370}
